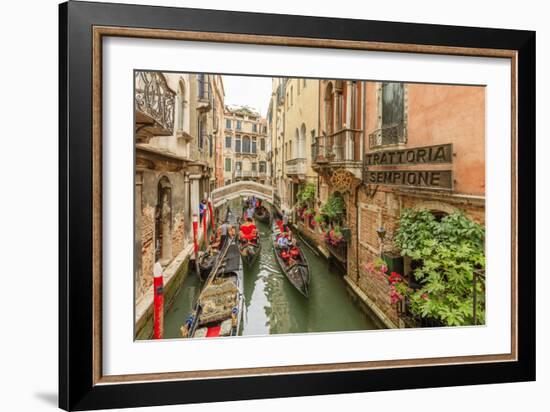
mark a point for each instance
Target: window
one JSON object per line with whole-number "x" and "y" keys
{"x": 228, "y": 142}
{"x": 254, "y": 127}
{"x": 238, "y": 144}
{"x": 329, "y": 110}
{"x": 246, "y": 144}
{"x": 262, "y": 145}
{"x": 210, "y": 146}
{"x": 254, "y": 166}
{"x": 239, "y": 124}
{"x": 393, "y": 111}
{"x": 262, "y": 167}
{"x": 254, "y": 148}
{"x": 204, "y": 87}
{"x": 228, "y": 123}
{"x": 201, "y": 132}
{"x": 227, "y": 165}
{"x": 238, "y": 166}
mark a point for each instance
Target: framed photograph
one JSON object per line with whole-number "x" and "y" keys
{"x": 256, "y": 206}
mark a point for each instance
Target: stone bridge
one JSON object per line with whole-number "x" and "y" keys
{"x": 241, "y": 189}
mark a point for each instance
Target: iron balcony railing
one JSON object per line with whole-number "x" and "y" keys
{"x": 342, "y": 146}
{"x": 388, "y": 135}
{"x": 154, "y": 98}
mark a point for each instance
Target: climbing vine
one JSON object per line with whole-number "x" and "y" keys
{"x": 449, "y": 252}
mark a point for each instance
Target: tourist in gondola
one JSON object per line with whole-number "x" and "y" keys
{"x": 248, "y": 231}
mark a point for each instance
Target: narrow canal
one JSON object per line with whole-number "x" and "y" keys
{"x": 273, "y": 306}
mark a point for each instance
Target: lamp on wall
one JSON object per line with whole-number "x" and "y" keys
{"x": 381, "y": 232}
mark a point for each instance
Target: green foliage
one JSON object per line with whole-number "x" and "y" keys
{"x": 306, "y": 194}
{"x": 449, "y": 251}
{"x": 334, "y": 208}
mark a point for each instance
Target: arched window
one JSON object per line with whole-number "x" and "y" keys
{"x": 246, "y": 144}
{"x": 181, "y": 105}
{"x": 302, "y": 142}
{"x": 254, "y": 145}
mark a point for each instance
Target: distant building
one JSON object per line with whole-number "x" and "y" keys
{"x": 245, "y": 146}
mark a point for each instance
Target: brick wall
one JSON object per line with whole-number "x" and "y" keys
{"x": 147, "y": 248}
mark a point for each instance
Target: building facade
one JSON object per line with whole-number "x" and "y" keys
{"x": 245, "y": 146}
{"x": 386, "y": 147}
{"x": 177, "y": 122}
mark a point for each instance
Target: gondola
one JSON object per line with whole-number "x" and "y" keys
{"x": 262, "y": 214}
{"x": 219, "y": 308}
{"x": 208, "y": 258}
{"x": 297, "y": 269}
{"x": 250, "y": 250}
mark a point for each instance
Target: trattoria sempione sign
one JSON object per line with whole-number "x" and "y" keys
{"x": 419, "y": 155}
{"x": 430, "y": 179}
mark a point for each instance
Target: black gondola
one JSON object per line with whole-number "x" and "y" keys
{"x": 295, "y": 269}
{"x": 219, "y": 308}
{"x": 262, "y": 214}
{"x": 208, "y": 258}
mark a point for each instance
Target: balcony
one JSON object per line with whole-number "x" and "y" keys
{"x": 239, "y": 154}
{"x": 154, "y": 105}
{"x": 296, "y": 167}
{"x": 388, "y": 136}
{"x": 246, "y": 174}
{"x": 340, "y": 149}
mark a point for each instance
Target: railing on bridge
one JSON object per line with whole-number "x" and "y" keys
{"x": 243, "y": 188}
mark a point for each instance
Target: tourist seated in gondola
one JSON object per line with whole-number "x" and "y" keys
{"x": 248, "y": 231}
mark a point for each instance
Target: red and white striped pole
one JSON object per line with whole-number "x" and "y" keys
{"x": 158, "y": 285}
{"x": 196, "y": 234}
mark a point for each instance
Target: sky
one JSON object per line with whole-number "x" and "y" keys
{"x": 248, "y": 91}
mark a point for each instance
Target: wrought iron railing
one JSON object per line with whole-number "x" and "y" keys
{"x": 154, "y": 98}
{"x": 388, "y": 135}
{"x": 338, "y": 147}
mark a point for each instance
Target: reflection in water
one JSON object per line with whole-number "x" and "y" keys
{"x": 273, "y": 306}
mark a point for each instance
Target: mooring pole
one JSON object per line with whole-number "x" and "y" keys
{"x": 158, "y": 285}
{"x": 196, "y": 243}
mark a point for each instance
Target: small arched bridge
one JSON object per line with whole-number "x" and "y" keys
{"x": 242, "y": 189}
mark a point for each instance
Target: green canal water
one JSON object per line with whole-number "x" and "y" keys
{"x": 273, "y": 306}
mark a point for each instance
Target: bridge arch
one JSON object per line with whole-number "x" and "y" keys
{"x": 241, "y": 189}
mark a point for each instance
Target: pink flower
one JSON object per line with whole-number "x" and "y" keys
{"x": 383, "y": 268}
